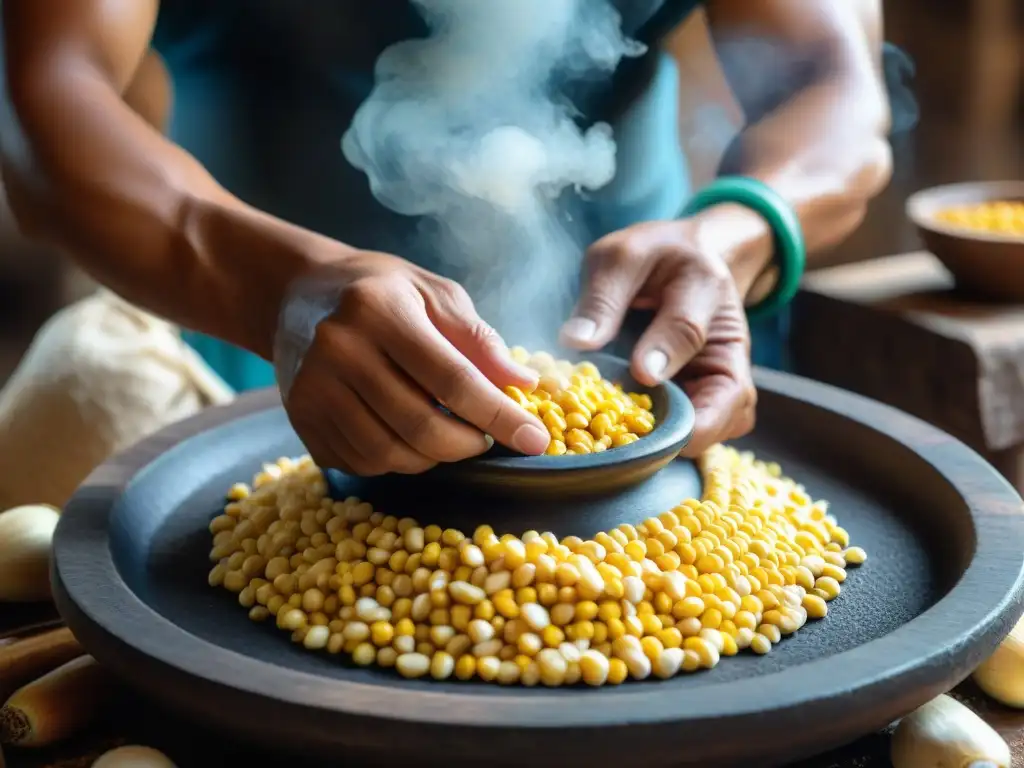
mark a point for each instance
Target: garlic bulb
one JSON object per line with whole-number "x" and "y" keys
{"x": 945, "y": 734}
{"x": 1001, "y": 676}
{"x": 26, "y": 534}
{"x": 133, "y": 757}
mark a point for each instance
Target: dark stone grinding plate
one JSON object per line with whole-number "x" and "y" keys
{"x": 943, "y": 584}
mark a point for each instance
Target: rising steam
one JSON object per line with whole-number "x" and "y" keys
{"x": 467, "y": 129}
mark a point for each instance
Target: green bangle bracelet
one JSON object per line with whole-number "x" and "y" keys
{"x": 790, "y": 254}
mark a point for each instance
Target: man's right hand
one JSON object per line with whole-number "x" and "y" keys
{"x": 365, "y": 398}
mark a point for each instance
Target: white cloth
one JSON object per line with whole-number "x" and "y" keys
{"x": 99, "y": 376}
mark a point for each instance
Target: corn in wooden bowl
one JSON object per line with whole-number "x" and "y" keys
{"x": 977, "y": 231}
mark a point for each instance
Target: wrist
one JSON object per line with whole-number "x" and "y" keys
{"x": 742, "y": 239}
{"x": 250, "y": 259}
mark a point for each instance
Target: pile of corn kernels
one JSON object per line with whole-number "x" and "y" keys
{"x": 996, "y": 217}
{"x": 584, "y": 413}
{"x": 741, "y": 568}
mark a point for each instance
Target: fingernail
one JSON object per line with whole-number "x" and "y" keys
{"x": 580, "y": 328}
{"x": 530, "y": 440}
{"x": 655, "y": 363}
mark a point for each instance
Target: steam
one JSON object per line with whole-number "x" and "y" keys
{"x": 467, "y": 129}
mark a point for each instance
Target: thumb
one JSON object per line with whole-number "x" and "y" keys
{"x": 678, "y": 332}
{"x": 453, "y": 314}
{"x": 614, "y": 276}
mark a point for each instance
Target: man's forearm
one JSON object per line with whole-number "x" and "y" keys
{"x": 822, "y": 147}
{"x": 826, "y": 154}
{"x": 87, "y": 174}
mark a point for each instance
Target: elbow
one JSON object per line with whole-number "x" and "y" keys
{"x": 868, "y": 172}
{"x": 876, "y": 163}
{"x": 874, "y": 171}
{"x": 841, "y": 214}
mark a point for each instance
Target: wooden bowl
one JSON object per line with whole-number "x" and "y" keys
{"x": 988, "y": 264}
{"x": 503, "y": 472}
{"x": 942, "y": 586}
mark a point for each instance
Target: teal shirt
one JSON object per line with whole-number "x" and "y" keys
{"x": 265, "y": 89}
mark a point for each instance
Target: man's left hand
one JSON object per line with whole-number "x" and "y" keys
{"x": 699, "y": 334}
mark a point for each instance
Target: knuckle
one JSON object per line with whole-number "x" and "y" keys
{"x": 601, "y": 301}
{"x": 625, "y": 255}
{"x": 426, "y": 433}
{"x": 600, "y": 248}
{"x": 326, "y": 335}
{"x": 615, "y": 252}
{"x": 715, "y": 271}
{"x": 457, "y": 381}
{"x": 359, "y": 374}
{"x": 423, "y": 431}
{"x": 369, "y": 299}
{"x": 453, "y": 294}
{"x": 362, "y": 292}
{"x": 501, "y": 414}
{"x": 689, "y": 332}
{"x": 481, "y": 333}
{"x": 697, "y": 265}
{"x": 401, "y": 460}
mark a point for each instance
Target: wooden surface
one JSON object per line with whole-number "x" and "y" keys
{"x": 895, "y": 330}
{"x": 132, "y": 720}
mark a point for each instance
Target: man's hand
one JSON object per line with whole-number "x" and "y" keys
{"x": 402, "y": 340}
{"x": 699, "y": 334}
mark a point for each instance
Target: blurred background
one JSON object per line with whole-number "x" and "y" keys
{"x": 970, "y": 85}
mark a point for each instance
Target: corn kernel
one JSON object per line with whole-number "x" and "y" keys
{"x": 995, "y": 217}
{"x": 740, "y": 569}
{"x": 855, "y": 556}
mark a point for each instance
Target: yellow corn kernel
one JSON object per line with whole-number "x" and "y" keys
{"x": 706, "y": 652}
{"x": 465, "y": 667}
{"x": 556, "y": 448}
{"x": 855, "y": 556}
{"x": 829, "y": 586}
{"x": 996, "y": 217}
{"x": 815, "y": 606}
{"x": 738, "y": 569}
{"x": 505, "y": 604}
{"x": 760, "y": 644}
{"x": 552, "y": 636}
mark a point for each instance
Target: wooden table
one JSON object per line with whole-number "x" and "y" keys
{"x": 138, "y": 722}
{"x": 135, "y": 721}
{"x": 895, "y": 330}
